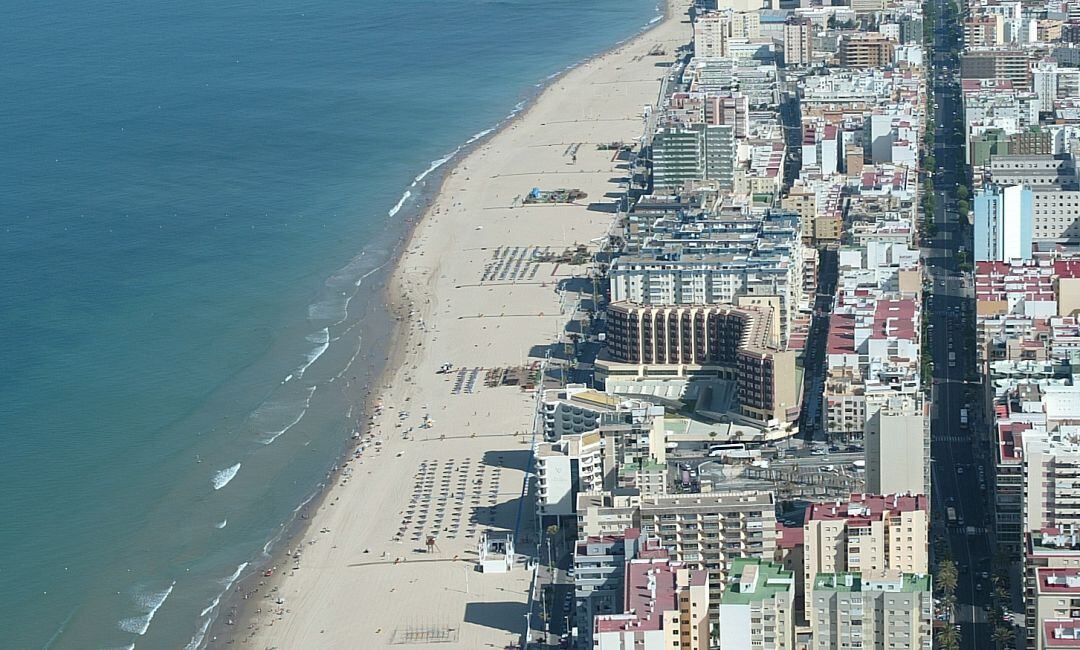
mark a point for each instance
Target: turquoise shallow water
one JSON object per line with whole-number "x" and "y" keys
{"x": 194, "y": 205}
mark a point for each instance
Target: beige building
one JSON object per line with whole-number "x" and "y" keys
{"x": 604, "y": 513}
{"x": 984, "y": 31}
{"x": 709, "y": 531}
{"x": 893, "y": 433}
{"x": 711, "y": 34}
{"x": 666, "y": 605}
{"x": 867, "y": 534}
{"x": 1051, "y": 464}
{"x": 798, "y": 42}
{"x": 865, "y": 50}
{"x": 887, "y": 610}
{"x": 757, "y": 610}
{"x": 803, "y": 201}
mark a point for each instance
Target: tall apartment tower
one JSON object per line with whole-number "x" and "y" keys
{"x": 711, "y": 33}
{"x": 798, "y": 42}
{"x": 867, "y": 534}
{"x": 757, "y": 610}
{"x": 892, "y": 433}
{"x": 709, "y": 531}
{"x": 890, "y": 610}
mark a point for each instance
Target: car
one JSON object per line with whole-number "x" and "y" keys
{"x": 959, "y": 470}
{"x": 570, "y": 572}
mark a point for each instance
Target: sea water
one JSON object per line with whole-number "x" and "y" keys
{"x": 197, "y": 202}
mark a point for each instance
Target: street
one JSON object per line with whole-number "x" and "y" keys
{"x": 958, "y": 482}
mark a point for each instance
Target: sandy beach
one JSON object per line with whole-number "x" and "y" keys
{"x": 447, "y": 453}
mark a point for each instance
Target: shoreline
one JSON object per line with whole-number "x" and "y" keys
{"x": 244, "y": 601}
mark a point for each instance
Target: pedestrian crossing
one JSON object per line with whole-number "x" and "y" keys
{"x": 953, "y": 439}
{"x": 973, "y": 530}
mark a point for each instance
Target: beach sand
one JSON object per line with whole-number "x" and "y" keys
{"x": 468, "y": 293}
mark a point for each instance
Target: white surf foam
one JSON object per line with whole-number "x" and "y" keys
{"x": 221, "y": 524}
{"x": 266, "y": 414}
{"x": 321, "y": 339}
{"x": 352, "y": 360}
{"x": 435, "y": 164}
{"x": 150, "y": 602}
{"x": 365, "y": 276}
{"x": 656, "y": 20}
{"x": 229, "y": 580}
{"x": 222, "y": 477}
{"x": 477, "y": 136}
{"x": 401, "y": 202}
{"x": 196, "y": 641}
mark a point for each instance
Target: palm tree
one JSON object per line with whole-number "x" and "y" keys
{"x": 1003, "y": 635}
{"x": 948, "y": 638}
{"x": 551, "y": 530}
{"x": 946, "y": 576}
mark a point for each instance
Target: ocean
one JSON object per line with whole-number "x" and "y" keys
{"x": 199, "y": 202}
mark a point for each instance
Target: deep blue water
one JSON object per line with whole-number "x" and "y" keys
{"x": 191, "y": 196}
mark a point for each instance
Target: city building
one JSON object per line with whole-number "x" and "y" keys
{"x": 729, "y": 343}
{"x": 866, "y": 535}
{"x": 887, "y": 610}
{"x": 893, "y": 432}
{"x": 1051, "y": 586}
{"x": 599, "y": 572}
{"x": 572, "y": 464}
{"x": 1004, "y": 218}
{"x": 798, "y": 41}
{"x": 665, "y": 607}
{"x": 999, "y": 64}
{"x": 757, "y": 608}
{"x": 709, "y": 530}
{"x": 865, "y": 50}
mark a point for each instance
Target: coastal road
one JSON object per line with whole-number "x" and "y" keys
{"x": 956, "y": 451}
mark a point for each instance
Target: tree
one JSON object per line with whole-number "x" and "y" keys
{"x": 962, "y": 207}
{"x": 962, "y": 192}
{"x": 948, "y": 638}
{"x": 1003, "y": 635}
{"x": 946, "y": 576}
{"x": 551, "y": 530}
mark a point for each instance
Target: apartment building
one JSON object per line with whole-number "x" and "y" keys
{"x": 1000, "y": 64}
{"x": 710, "y": 530}
{"x": 898, "y": 430}
{"x": 1051, "y": 586}
{"x": 694, "y": 152}
{"x": 1054, "y": 171}
{"x": 887, "y": 610}
{"x": 665, "y": 607}
{"x": 757, "y": 608}
{"x": 600, "y": 571}
{"x": 798, "y": 41}
{"x": 1052, "y": 465}
{"x": 866, "y": 534}
{"x": 712, "y": 31}
{"x": 865, "y": 50}
{"x": 570, "y": 465}
{"x": 607, "y": 514}
{"x": 731, "y": 343}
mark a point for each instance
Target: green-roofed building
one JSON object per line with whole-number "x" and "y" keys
{"x": 886, "y": 610}
{"x": 757, "y": 609}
